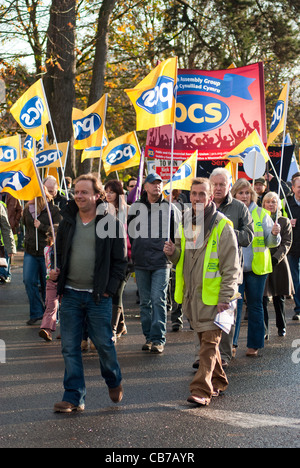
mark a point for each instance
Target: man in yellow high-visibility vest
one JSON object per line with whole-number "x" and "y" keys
{"x": 206, "y": 255}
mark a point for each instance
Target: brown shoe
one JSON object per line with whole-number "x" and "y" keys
{"x": 46, "y": 334}
{"x": 67, "y": 407}
{"x": 251, "y": 352}
{"x": 198, "y": 400}
{"x": 116, "y": 394}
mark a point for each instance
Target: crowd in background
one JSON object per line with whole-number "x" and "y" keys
{"x": 263, "y": 232}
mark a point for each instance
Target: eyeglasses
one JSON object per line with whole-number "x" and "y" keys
{"x": 222, "y": 184}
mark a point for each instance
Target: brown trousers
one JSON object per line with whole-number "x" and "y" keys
{"x": 210, "y": 376}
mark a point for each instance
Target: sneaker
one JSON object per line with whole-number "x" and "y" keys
{"x": 157, "y": 348}
{"x": 116, "y": 394}
{"x": 67, "y": 407}
{"x": 176, "y": 327}
{"x": 147, "y": 346}
{"x": 296, "y": 316}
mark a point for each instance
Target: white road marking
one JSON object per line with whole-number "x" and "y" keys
{"x": 236, "y": 418}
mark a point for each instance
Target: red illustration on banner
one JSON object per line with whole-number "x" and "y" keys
{"x": 215, "y": 111}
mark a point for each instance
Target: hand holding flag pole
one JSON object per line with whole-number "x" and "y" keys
{"x": 22, "y": 180}
{"x": 49, "y": 214}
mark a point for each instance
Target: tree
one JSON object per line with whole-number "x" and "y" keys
{"x": 59, "y": 81}
{"x": 99, "y": 62}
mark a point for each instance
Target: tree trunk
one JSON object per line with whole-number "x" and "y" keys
{"x": 59, "y": 81}
{"x": 99, "y": 65}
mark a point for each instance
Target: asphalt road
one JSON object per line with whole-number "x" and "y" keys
{"x": 260, "y": 408}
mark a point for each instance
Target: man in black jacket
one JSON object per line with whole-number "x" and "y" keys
{"x": 148, "y": 221}
{"x": 91, "y": 263}
{"x": 294, "y": 252}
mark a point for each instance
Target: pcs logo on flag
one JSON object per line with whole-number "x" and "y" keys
{"x": 159, "y": 98}
{"x": 120, "y": 154}
{"x": 14, "y": 180}
{"x": 85, "y": 127}
{"x": 32, "y": 112}
{"x": 9, "y": 153}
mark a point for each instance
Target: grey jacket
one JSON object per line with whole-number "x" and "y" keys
{"x": 148, "y": 230}
{"x": 241, "y": 218}
{"x": 270, "y": 240}
{"x": 243, "y": 226}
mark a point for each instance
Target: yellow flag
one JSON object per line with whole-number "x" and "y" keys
{"x": 279, "y": 114}
{"x": 252, "y": 142}
{"x": 20, "y": 179}
{"x": 231, "y": 168}
{"x": 50, "y": 157}
{"x": 88, "y": 125}
{"x": 121, "y": 153}
{"x": 10, "y": 149}
{"x": 154, "y": 97}
{"x": 95, "y": 151}
{"x": 182, "y": 179}
{"x": 31, "y": 110}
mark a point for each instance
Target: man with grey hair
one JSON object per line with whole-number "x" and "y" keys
{"x": 242, "y": 221}
{"x": 51, "y": 185}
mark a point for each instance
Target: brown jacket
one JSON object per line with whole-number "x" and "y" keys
{"x": 14, "y": 212}
{"x": 202, "y": 316}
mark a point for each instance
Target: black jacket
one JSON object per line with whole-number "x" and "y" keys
{"x": 111, "y": 254}
{"x": 295, "y": 210}
{"x": 30, "y": 232}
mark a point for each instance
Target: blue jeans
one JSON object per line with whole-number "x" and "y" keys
{"x": 34, "y": 273}
{"x": 294, "y": 263}
{"x": 153, "y": 286}
{"x": 253, "y": 285}
{"x": 76, "y": 308}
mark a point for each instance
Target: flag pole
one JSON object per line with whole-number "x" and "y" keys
{"x": 279, "y": 185}
{"x": 101, "y": 142}
{"x": 49, "y": 213}
{"x": 35, "y": 202}
{"x": 283, "y": 139}
{"x": 55, "y": 140}
{"x": 172, "y": 156}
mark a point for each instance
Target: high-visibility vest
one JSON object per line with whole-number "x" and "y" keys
{"x": 283, "y": 210}
{"x": 211, "y": 275}
{"x": 262, "y": 262}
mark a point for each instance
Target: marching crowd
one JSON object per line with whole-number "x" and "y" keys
{"x": 200, "y": 255}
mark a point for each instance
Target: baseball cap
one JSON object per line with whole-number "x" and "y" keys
{"x": 152, "y": 177}
{"x": 261, "y": 180}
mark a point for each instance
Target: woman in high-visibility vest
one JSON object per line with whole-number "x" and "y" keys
{"x": 279, "y": 283}
{"x": 257, "y": 266}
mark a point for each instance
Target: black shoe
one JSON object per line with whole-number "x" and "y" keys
{"x": 196, "y": 364}
{"x": 282, "y": 332}
{"x": 33, "y": 321}
{"x": 176, "y": 327}
{"x": 296, "y": 316}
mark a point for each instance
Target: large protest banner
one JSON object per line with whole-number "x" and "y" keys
{"x": 215, "y": 111}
